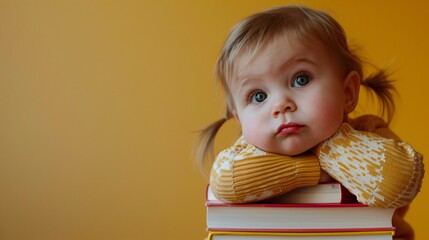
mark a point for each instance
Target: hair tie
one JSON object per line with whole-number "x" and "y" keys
{"x": 228, "y": 114}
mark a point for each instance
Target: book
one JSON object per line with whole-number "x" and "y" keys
{"x": 297, "y": 217}
{"x": 332, "y": 192}
{"x": 372, "y": 235}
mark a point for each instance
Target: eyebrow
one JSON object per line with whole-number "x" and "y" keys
{"x": 299, "y": 60}
{"x": 241, "y": 84}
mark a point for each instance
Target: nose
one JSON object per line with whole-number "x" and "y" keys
{"x": 283, "y": 106}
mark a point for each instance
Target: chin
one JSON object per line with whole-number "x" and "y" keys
{"x": 296, "y": 150}
{"x": 291, "y": 152}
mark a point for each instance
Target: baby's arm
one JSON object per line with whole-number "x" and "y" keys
{"x": 379, "y": 171}
{"x": 244, "y": 173}
{"x": 388, "y": 176}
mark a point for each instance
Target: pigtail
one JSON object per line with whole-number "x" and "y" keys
{"x": 206, "y": 139}
{"x": 380, "y": 84}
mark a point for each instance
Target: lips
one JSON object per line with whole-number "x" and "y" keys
{"x": 290, "y": 128}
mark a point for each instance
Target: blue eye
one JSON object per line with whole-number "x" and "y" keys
{"x": 258, "y": 97}
{"x": 301, "y": 80}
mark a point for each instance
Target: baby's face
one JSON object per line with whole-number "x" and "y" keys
{"x": 289, "y": 97}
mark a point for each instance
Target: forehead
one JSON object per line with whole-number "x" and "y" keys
{"x": 276, "y": 53}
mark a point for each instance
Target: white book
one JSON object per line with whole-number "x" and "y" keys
{"x": 377, "y": 235}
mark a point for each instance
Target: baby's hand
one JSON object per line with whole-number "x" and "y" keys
{"x": 324, "y": 177}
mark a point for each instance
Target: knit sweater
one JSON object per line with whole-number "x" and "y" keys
{"x": 372, "y": 163}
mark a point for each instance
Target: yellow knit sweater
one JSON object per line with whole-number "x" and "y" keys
{"x": 372, "y": 163}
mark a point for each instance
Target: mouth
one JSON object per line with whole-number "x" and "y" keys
{"x": 290, "y": 128}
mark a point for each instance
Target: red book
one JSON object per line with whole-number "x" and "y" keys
{"x": 332, "y": 192}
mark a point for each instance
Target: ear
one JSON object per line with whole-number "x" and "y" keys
{"x": 351, "y": 91}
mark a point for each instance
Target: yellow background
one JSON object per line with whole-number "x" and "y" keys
{"x": 100, "y": 101}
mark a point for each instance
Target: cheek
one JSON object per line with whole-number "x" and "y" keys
{"x": 252, "y": 129}
{"x": 328, "y": 114}
{"x": 249, "y": 128}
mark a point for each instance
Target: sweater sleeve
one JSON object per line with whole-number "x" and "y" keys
{"x": 379, "y": 171}
{"x": 243, "y": 173}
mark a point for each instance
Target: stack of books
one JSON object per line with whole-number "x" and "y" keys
{"x": 325, "y": 211}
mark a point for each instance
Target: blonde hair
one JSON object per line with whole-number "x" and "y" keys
{"x": 304, "y": 24}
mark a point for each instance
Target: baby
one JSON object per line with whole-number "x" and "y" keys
{"x": 291, "y": 81}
